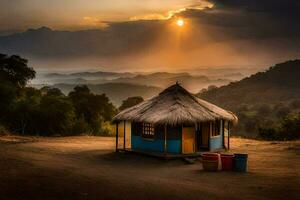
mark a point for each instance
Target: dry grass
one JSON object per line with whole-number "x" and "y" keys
{"x": 87, "y": 168}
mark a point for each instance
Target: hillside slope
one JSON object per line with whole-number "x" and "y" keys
{"x": 279, "y": 84}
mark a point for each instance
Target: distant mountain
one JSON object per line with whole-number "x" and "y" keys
{"x": 280, "y": 83}
{"x": 116, "y": 92}
{"x": 47, "y": 43}
{"x": 163, "y": 79}
{"x": 89, "y": 75}
{"x": 158, "y": 79}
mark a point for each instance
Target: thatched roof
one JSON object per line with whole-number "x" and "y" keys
{"x": 175, "y": 105}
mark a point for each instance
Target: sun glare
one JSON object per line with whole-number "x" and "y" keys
{"x": 180, "y": 22}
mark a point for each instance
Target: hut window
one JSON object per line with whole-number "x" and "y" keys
{"x": 216, "y": 128}
{"x": 148, "y": 130}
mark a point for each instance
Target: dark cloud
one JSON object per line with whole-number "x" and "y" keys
{"x": 251, "y": 19}
{"x": 271, "y": 6}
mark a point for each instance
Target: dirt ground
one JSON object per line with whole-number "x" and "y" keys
{"x": 87, "y": 168}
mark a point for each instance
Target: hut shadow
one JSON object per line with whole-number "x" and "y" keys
{"x": 126, "y": 158}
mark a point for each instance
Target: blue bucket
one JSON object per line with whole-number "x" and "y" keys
{"x": 240, "y": 162}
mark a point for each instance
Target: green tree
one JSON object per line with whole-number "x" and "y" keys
{"x": 57, "y": 115}
{"x": 94, "y": 109}
{"x": 14, "y": 74}
{"x": 14, "y": 69}
{"x": 24, "y": 113}
{"x": 282, "y": 111}
{"x": 290, "y": 127}
{"x": 130, "y": 101}
{"x": 8, "y": 95}
{"x": 51, "y": 91}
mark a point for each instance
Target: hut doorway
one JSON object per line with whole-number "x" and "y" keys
{"x": 188, "y": 140}
{"x": 203, "y": 135}
{"x": 123, "y": 135}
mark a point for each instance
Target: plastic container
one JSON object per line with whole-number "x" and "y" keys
{"x": 210, "y": 165}
{"x": 210, "y": 156}
{"x": 240, "y": 162}
{"x": 210, "y": 161}
{"x": 227, "y": 162}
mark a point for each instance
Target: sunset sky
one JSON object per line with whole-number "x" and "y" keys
{"x": 81, "y": 14}
{"x": 143, "y": 35}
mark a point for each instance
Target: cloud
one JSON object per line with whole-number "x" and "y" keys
{"x": 201, "y": 5}
{"x": 251, "y": 19}
{"x": 92, "y": 22}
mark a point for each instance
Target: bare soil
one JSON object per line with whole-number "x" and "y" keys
{"x": 87, "y": 168}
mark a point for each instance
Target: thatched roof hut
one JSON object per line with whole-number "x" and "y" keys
{"x": 173, "y": 122}
{"x": 175, "y": 105}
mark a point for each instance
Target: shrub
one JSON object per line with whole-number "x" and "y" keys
{"x": 107, "y": 129}
{"x": 81, "y": 127}
{"x": 295, "y": 104}
{"x": 268, "y": 133}
{"x": 288, "y": 129}
{"x": 3, "y": 130}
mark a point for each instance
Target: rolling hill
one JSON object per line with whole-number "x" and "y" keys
{"x": 279, "y": 84}
{"x": 158, "y": 79}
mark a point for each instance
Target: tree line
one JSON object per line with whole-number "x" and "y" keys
{"x": 270, "y": 122}
{"x": 47, "y": 111}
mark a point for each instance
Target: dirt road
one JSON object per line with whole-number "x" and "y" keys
{"x": 87, "y": 168}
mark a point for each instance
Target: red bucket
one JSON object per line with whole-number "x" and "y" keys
{"x": 210, "y": 156}
{"x": 210, "y": 161}
{"x": 227, "y": 162}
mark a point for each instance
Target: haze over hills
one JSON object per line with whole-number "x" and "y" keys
{"x": 158, "y": 79}
{"x": 119, "y": 86}
{"x": 117, "y": 92}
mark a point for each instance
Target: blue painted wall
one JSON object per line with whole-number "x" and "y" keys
{"x": 216, "y": 143}
{"x": 157, "y": 145}
{"x": 174, "y": 146}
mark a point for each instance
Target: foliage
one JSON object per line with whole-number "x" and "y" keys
{"x": 14, "y": 69}
{"x": 56, "y": 116}
{"x": 288, "y": 129}
{"x": 23, "y": 115}
{"x": 3, "y": 130}
{"x": 91, "y": 109}
{"x": 8, "y": 94}
{"x": 130, "y": 101}
{"x": 48, "y": 111}
{"x": 295, "y": 104}
{"x": 14, "y": 74}
{"x": 50, "y": 91}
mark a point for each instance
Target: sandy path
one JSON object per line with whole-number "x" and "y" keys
{"x": 87, "y": 168}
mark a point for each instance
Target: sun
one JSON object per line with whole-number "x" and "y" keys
{"x": 180, "y": 22}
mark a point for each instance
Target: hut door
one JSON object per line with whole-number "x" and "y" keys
{"x": 205, "y": 133}
{"x": 124, "y": 135}
{"x": 188, "y": 139}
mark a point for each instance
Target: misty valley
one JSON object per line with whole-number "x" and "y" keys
{"x": 119, "y": 86}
